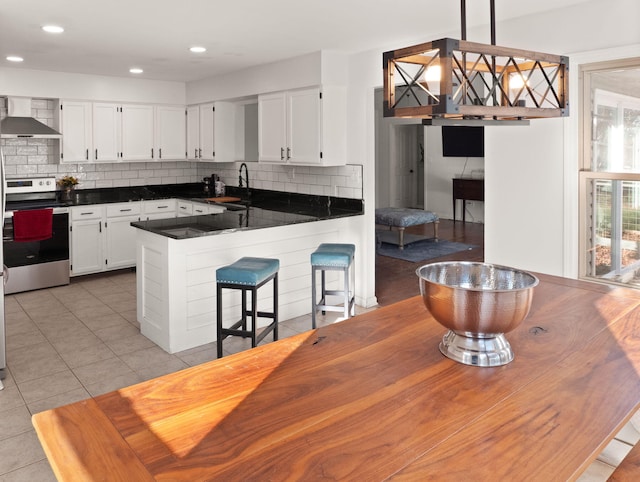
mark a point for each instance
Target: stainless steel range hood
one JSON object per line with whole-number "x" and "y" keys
{"x": 19, "y": 122}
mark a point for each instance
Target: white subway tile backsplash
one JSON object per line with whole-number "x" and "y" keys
{"x": 27, "y": 150}
{"x": 324, "y": 181}
{"x": 27, "y": 170}
{"x": 37, "y": 159}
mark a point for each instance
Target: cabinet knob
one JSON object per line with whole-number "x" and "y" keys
{"x": 288, "y": 153}
{"x": 282, "y": 153}
{"x": 96, "y": 154}
{"x": 160, "y": 153}
{"x": 87, "y": 154}
{"x": 152, "y": 153}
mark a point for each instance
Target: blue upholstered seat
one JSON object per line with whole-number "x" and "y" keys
{"x": 248, "y": 271}
{"x": 338, "y": 255}
{"x": 404, "y": 217}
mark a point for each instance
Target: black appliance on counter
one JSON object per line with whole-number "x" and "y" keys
{"x": 34, "y": 265}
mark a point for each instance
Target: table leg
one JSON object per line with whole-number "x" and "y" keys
{"x": 454, "y": 209}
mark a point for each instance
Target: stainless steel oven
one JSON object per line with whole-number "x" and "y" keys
{"x": 32, "y": 265}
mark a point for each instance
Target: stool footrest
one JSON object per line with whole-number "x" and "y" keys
{"x": 261, "y": 314}
{"x": 334, "y": 293}
{"x": 233, "y": 331}
{"x": 337, "y": 308}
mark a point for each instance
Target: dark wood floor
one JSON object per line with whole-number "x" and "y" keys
{"x": 396, "y": 279}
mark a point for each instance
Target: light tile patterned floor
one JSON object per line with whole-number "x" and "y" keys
{"x": 69, "y": 343}
{"x": 72, "y": 342}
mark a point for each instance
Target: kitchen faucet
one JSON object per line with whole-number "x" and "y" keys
{"x": 246, "y": 176}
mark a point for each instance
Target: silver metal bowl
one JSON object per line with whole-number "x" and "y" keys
{"x": 478, "y": 303}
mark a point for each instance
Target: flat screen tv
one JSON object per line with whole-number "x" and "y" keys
{"x": 463, "y": 141}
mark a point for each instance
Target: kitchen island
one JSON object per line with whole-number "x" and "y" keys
{"x": 372, "y": 398}
{"x": 177, "y": 259}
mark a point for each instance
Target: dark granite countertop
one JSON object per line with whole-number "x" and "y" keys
{"x": 229, "y": 221}
{"x": 263, "y": 208}
{"x": 258, "y": 208}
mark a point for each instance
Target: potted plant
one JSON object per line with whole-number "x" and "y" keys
{"x": 67, "y": 183}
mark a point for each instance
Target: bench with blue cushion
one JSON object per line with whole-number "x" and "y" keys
{"x": 401, "y": 218}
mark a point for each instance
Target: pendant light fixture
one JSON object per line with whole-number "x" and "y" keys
{"x": 449, "y": 81}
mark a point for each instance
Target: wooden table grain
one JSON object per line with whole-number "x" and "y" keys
{"x": 372, "y": 398}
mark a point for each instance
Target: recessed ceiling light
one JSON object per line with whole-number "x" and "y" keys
{"x": 14, "y": 58}
{"x": 52, "y": 29}
{"x": 197, "y": 50}
{"x": 136, "y": 70}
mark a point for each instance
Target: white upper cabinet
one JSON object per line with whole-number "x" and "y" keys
{"x": 113, "y": 132}
{"x": 213, "y": 134}
{"x": 75, "y": 122}
{"x": 207, "y": 149}
{"x": 303, "y": 127}
{"x": 170, "y": 133}
{"x": 193, "y": 132}
{"x": 137, "y": 132}
{"x": 272, "y": 127}
{"x": 304, "y": 132}
{"x": 106, "y": 132}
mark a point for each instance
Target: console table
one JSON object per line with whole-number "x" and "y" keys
{"x": 467, "y": 190}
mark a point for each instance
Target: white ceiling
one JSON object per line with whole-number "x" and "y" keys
{"x": 109, "y": 37}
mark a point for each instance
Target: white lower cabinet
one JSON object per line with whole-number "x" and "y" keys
{"x": 86, "y": 240}
{"x": 185, "y": 208}
{"x": 158, "y": 209}
{"x": 101, "y": 237}
{"x": 188, "y": 208}
{"x": 205, "y": 208}
{"x": 120, "y": 235}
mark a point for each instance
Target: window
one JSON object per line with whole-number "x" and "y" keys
{"x": 610, "y": 175}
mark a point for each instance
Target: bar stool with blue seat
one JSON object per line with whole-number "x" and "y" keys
{"x": 336, "y": 257}
{"x": 248, "y": 274}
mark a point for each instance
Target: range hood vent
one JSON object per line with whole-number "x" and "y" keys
{"x": 19, "y": 122}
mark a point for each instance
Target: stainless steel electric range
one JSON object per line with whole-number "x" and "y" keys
{"x": 35, "y": 264}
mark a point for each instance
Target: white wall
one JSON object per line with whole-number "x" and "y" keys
{"x": 440, "y": 171}
{"x": 61, "y": 85}
{"x": 524, "y": 185}
{"x": 292, "y": 73}
{"x": 531, "y": 208}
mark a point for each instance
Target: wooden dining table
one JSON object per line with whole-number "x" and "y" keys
{"x": 372, "y": 398}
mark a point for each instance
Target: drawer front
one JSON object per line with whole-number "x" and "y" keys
{"x": 92, "y": 211}
{"x": 185, "y": 208}
{"x": 123, "y": 209}
{"x": 161, "y": 205}
{"x": 471, "y": 189}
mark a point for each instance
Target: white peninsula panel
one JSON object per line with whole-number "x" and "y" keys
{"x": 176, "y": 278}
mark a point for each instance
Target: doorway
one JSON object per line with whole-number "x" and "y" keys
{"x": 399, "y": 153}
